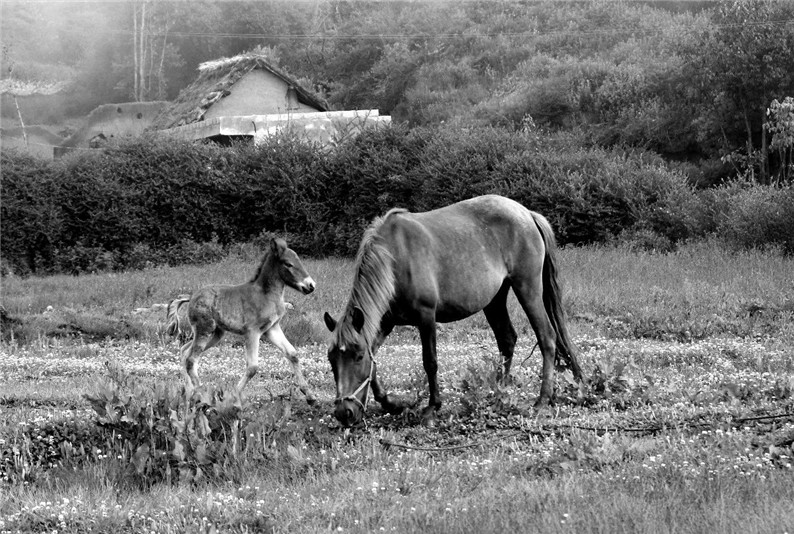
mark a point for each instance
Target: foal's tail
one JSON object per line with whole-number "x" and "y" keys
{"x": 552, "y": 298}
{"x": 177, "y": 324}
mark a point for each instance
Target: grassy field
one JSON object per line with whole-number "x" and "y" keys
{"x": 687, "y": 424}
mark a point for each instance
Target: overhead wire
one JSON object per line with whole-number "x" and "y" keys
{"x": 454, "y": 35}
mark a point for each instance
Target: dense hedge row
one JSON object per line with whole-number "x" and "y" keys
{"x": 152, "y": 201}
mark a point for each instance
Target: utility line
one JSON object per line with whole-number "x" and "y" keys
{"x": 460, "y": 35}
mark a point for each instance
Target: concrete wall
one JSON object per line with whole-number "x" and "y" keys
{"x": 256, "y": 93}
{"x": 326, "y": 127}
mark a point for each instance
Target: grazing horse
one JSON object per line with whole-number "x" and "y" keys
{"x": 442, "y": 266}
{"x": 250, "y": 310}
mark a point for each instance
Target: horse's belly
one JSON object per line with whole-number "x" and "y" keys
{"x": 450, "y": 314}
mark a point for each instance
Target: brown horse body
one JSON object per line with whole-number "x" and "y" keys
{"x": 250, "y": 310}
{"x": 441, "y": 266}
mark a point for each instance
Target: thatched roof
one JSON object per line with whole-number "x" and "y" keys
{"x": 214, "y": 82}
{"x": 13, "y": 86}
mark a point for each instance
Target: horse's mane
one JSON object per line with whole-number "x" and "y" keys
{"x": 262, "y": 264}
{"x": 373, "y": 285}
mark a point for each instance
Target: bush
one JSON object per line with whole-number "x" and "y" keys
{"x": 150, "y": 202}
{"x": 745, "y": 215}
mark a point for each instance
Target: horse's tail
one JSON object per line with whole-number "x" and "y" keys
{"x": 552, "y": 298}
{"x": 176, "y": 317}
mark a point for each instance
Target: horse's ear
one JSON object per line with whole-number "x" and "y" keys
{"x": 278, "y": 246}
{"x": 330, "y": 322}
{"x": 358, "y": 319}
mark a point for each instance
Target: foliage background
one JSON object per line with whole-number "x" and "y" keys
{"x": 147, "y": 202}
{"x": 690, "y": 80}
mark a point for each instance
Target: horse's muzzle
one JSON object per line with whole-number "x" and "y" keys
{"x": 348, "y": 413}
{"x": 307, "y": 286}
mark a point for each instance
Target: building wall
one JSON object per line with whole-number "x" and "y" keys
{"x": 257, "y": 93}
{"x": 116, "y": 120}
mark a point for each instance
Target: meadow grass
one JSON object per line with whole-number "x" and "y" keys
{"x": 666, "y": 441}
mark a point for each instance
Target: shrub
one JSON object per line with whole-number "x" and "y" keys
{"x": 158, "y": 435}
{"x": 31, "y": 220}
{"x": 745, "y": 215}
{"x": 151, "y": 202}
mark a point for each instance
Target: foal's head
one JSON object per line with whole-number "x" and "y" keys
{"x": 289, "y": 267}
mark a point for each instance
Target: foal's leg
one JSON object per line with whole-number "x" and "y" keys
{"x": 530, "y": 296}
{"x": 191, "y": 351}
{"x": 499, "y": 319}
{"x": 251, "y": 358}
{"x": 276, "y": 336}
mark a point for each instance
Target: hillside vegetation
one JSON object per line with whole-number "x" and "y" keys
{"x": 691, "y": 81}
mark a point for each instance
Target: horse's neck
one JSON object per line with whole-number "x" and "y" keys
{"x": 268, "y": 278}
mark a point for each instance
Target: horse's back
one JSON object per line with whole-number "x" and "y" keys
{"x": 457, "y": 257}
{"x": 486, "y": 229}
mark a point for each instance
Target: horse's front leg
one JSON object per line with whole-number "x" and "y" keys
{"x": 390, "y": 405}
{"x": 427, "y": 332}
{"x": 276, "y": 336}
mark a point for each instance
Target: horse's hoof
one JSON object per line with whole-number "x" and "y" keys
{"x": 429, "y": 417}
{"x": 393, "y": 404}
{"x": 311, "y": 401}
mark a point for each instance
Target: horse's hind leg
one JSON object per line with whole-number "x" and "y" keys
{"x": 499, "y": 320}
{"x": 530, "y": 297}
{"x": 276, "y": 336}
{"x": 191, "y": 351}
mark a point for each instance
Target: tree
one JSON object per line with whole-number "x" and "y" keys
{"x": 739, "y": 65}
{"x": 152, "y": 21}
{"x": 781, "y": 126}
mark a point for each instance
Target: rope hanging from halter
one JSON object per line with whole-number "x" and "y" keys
{"x": 364, "y": 385}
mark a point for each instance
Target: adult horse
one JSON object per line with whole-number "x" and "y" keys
{"x": 250, "y": 310}
{"x": 441, "y": 266}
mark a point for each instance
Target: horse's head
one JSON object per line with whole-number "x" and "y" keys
{"x": 352, "y": 364}
{"x": 290, "y": 268}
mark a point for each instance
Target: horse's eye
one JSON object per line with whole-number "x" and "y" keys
{"x": 288, "y": 265}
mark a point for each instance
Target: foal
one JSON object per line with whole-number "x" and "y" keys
{"x": 249, "y": 310}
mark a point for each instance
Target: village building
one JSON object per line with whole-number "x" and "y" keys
{"x": 110, "y": 122}
{"x": 248, "y": 97}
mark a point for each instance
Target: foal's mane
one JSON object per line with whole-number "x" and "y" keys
{"x": 268, "y": 253}
{"x": 373, "y": 284}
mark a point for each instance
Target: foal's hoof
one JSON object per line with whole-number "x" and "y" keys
{"x": 542, "y": 407}
{"x": 310, "y": 400}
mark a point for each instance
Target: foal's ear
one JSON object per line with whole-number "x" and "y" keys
{"x": 330, "y": 322}
{"x": 358, "y": 319}
{"x": 278, "y": 246}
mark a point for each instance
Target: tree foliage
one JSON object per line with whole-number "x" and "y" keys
{"x": 691, "y": 80}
